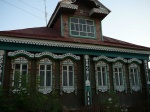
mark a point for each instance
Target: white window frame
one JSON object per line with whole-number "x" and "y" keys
{"x": 45, "y": 89}
{"x": 21, "y": 61}
{"x": 120, "y": 87}
{"x": 134, "y": 87}
{"x": 102, "y": 88}
{"x": 83, "y": 25}
{"x": 68, "y": 88}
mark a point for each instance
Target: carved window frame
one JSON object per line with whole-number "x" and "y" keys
{"x": 19, "y": 61}
{"x": 133, "y": 67}
{"x": 102, "y": 65}
{"x": 68, "y": 88}
{"x": 45, "y": 62}
{"x": 116, "y": 71}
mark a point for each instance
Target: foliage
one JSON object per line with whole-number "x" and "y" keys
{"x": 112, "y": 103}
{"x": 28, "y": 99}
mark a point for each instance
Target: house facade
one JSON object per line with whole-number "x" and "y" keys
{"x": 71, "y": 56}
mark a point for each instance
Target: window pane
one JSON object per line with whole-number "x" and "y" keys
{"x": 83, "y": 34}
{"x": 48, "y": 67}
{"x": 24, "y": 67}
{"x": 92, "y": 29}
{"x": 72, "y": 26}
{"x": 17, "y": 67}
{"x": 88, "y": 28}
{"x": 84, "y": 28}
{"x": 132, "y": 78}
{"x": 81, "y": 21}
{"x": 116, "y": 78}
{"x": 16, "y": 80}
{"x": 70, "y": 68}
{"x": 91, "y": 34}
{"x": 121, "y": 78}
{"x": 98, "y": 68}
{"x": 136, "y": 79}
{"x": 75, "y": 20}
{"x": 48, "y": 78}
{"x": 74, "y": 33}
{"x": 81, "y": 28}
{"x": 70, "y": 78}
{"x": 64, "y": 67}
{"x": 99, "y": 79}
{"x": 89, "y": 22}
{"x": 42, "y": 67}
{"x": 41, "y": 78}
{"x": 64, "y": 78}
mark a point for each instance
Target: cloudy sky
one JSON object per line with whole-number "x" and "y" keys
{"x": 129, "y": 20}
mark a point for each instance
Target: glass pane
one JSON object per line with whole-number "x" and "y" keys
{"x": 70, "y": 68}
{"x": 81, "y": 21}
{"x": 116, "y": 70}
{"x": 89, "y": 22}
{"x": 104, "y": 79}
{"x": 84, "y": 28}
{"x": 75, "y": 20}
{"x": 64, "y": 78}
{"x": 17, "y": 67}
{"x": 70, "y": 78}
{"x": 136, "y": 79}
{"x": 74, "y": 33}
{"x": 48, "y": 67}
{"x": 121, "y": 78}
{"x": 98, "y": 68}
{"x": 88, "y": 28}
{"x": 41, "y": 78}
{"x": 24, "y": 67}
{"x": 132, "y": 78}
{"x": 42, "y": 67}
{"x": 81, "y": 28}
{"x": 76, "y": 27}
{"x": 120, "y": 70}
{"x": 99, "y": 79}
{"x": 116, "y": 78}
{"x": 92, "y": 29}
{"x": 83, "y": 34}
{"x": 91, "y": 34}
{"x": 64, "y": 67}
{"x": 48, "y": 78}
{"x": 72, "y": 26}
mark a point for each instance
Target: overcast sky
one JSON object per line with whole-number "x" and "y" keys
{"x": 129, "y": 20}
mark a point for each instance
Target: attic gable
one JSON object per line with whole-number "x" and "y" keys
{"x": 97, "y": 9}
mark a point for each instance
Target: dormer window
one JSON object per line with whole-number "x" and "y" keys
{"x": 82, "y": 27}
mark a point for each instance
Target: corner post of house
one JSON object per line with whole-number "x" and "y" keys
{"x": 2, "y": 62}
{"x": 87, "y": 81}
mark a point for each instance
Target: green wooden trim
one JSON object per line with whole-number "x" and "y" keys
{"x": 38, "y": 48}
{"x": 69, "y": 27}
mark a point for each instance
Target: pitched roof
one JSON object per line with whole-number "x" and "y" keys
{"x": 45, "y": 33}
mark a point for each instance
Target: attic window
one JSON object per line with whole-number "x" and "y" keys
{"x": 82, "y": 27}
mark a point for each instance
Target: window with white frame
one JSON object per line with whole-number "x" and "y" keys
{"x": 68, "y": 76}
{"x": 45, "y": 74}
{"x": 82, "y": 27}
{"x": 134, "y": 73}
{"x": 102, "y": 76}
{"x": 20, "y": 71}
{"x": 119, "y": 77}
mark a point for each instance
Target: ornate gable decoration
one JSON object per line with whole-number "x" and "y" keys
{"x": 69, "y": 55}
{"x": 38, "y": 55}
{"x": 135, "y": 60}
{"x": 68, "y": 1}
{"x": 15, "y": 53}
{"x": 119, "y": 58}
{"x": 102, "y": 58}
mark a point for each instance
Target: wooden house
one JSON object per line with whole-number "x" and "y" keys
{"x": 71, "y": 56}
